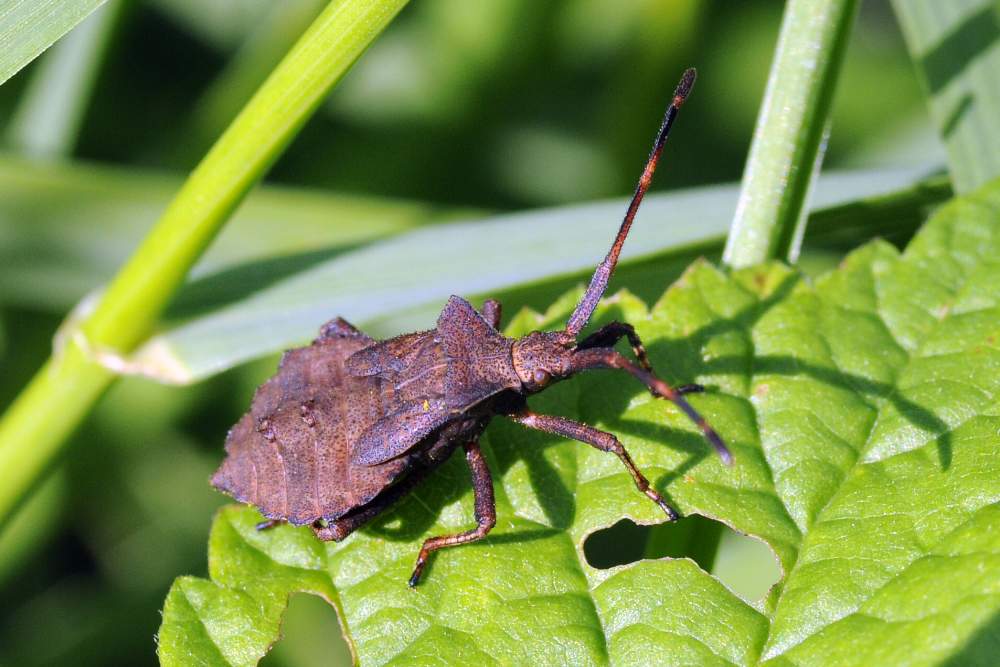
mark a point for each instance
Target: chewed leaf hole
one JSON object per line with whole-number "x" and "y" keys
{"x": 310, "y": 635}
{"x": 747, "y": 566}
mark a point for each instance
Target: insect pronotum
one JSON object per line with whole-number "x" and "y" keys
{"x": 349, "y": 424}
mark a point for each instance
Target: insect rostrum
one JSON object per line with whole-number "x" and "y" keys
{"x": 349, "y": 425}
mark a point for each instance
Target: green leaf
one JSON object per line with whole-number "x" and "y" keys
{"x": 956, "y": 49}
{"x": 50, "y": 112}
{"x": 65, "y": 228}
{"x": 864, "y": 416}
{"x": 413, "y": 273}
{"x": 28, "y": 27}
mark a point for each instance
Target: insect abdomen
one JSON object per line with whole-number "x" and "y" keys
{"x": 289, "y": 456}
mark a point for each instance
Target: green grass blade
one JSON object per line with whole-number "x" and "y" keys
{"x": 787, "y": 146}
{"x": 36, "y": 522}
{"x": 49, "y": 113}
{"x": 66, "y": 227}
{"x": 234, "y": 164}
{"x": 955, "y": 47}
{"x": 37, "y": 423}
{"x": 405, "y": 279}
{"x": 28, "y": 27}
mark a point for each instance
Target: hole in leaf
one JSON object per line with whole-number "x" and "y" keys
{"x": 746, "y": 565}
{"x": 310, "y": 636}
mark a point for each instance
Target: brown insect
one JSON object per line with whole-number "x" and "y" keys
{"x": 349, "y": 424}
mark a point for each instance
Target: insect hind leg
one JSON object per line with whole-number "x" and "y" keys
{"x": 486, "y": 512}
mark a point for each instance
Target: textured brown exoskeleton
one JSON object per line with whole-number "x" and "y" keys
{"x": 349, "y": 424}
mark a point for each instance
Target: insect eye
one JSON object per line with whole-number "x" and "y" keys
{"x": 541, "y": 377}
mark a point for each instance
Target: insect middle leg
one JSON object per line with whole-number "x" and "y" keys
{"x": 602, "y": 440}
{"x": 486, "y": 512}
{"x": 611, "y": 333}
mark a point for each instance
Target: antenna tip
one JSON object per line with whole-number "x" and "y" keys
{"x": 720, "y": 447}
{"x": 685, "y": 86}
{"x": 726, "y": 456}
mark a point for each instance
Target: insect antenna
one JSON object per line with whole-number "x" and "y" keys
{"x": 584, "y": 309}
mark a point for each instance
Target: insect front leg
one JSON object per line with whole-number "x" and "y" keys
{"x": 606, "y": 442}
{"x": 611, "y": 333}
{"x": 491, "y": 312}
{"x": 486, "y": 512}
{"x": 607, "y": 358}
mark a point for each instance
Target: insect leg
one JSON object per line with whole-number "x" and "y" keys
{"x": 486, "y": 512}
{"x": 605, "y": 358}
{"x": 611, "y": 333}
{"x": 343, "y": 526}
{"x": 268, "y": 523}
{"x": 340, "y": 328}
{"x": 606, "y": 442}
{"x": 491, "y": 312}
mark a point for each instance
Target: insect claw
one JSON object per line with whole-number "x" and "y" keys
{"x": 690, "y": 389}
{"x": 417, "y": 571}
{"x": 671, "y": 513}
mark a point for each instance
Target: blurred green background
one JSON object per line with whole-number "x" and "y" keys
{"x": 504, "y": 105}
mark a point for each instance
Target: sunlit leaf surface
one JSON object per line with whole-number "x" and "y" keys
{"x": 864, "y": 417}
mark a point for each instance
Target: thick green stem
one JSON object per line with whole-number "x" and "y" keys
{"x": 35, "y": 427}
{"x": 787, "y": 144}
